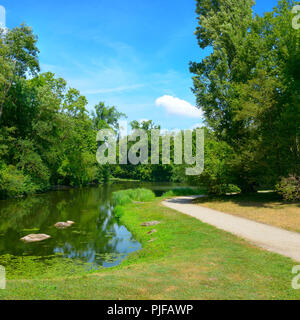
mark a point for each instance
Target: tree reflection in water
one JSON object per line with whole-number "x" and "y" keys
{"x": 96, "y": 237}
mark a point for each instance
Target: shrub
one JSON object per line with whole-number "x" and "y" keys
{"x": 223, "y": 189}
{"x": 289, "y": 188}
{"x": 184, "y": 192}
{"x": 120, "y": 198}
{"x": 142, "y": 195}
{"x": 14, "y": 183}
{"x": 127, "y": 196}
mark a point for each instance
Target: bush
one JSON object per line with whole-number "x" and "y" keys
{"x": 289, "y": 188}
{"x": 223, "y": 189}
{"x": 120, "y": 198}
{"x": 184, "y": 192}
{"x": 127, "y": 196}
{"x": 14, "y": 183}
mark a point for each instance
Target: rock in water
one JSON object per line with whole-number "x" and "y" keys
{"x": 35, "y": 238}
{"x": 63, "y": 225}
{"x": 150, "y": 224}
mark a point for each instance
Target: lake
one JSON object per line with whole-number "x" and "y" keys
{"x": 97, "y": 238}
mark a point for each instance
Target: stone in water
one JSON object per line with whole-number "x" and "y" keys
{"x": 35, "y": 238}
{"x": 63, "y": 225}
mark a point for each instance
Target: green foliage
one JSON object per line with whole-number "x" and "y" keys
{"x": 121, "y": 198}
{"x": 223, "y": 189}
{"x": 249, "y": 87}
{"x": 124, "y": 197}
{"x": 24, "y": 267}
{"x": 18, "y": 56}
{"x": 176, "y": 192}
{"x": 78, "y": 169}
{"x": 47, "y": 136}
{"x": 145, "y": 172}
{"x": 31, "y": 163}
{"x": 289, "y": 188}
{"x": 217, "y": 167}
{"x": 118, "y": 211}
{"x": 223, "y": 26}
{"x": 15, "y": 183}
{"x": 104, "y": 173}
{"x": 105, "y": 117}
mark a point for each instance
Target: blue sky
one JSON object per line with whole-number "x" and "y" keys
{"x": 133, "y": 54}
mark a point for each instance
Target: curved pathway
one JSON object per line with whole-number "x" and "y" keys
{"x": 273, "y": 239}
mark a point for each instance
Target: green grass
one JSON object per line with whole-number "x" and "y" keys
{"x": 122, "y": 180}
{"x": 123, "y": 197}
{"x": 188, "y": 260}
{"x": 119, "y": 211}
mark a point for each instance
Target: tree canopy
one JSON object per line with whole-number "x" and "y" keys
{"x": 249, "y": 87}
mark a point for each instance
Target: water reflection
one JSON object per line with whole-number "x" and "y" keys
{"x": 96, "y": 237}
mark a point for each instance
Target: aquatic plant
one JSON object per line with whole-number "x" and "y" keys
{"x": 124, "y": 197}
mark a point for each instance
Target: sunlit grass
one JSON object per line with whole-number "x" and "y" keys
{"x": 265, "y": 207}
{"x": 128, "y": 196}
{"x": 187, "y": 260}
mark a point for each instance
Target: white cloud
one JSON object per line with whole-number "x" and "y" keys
{"x": 178, "y": 107}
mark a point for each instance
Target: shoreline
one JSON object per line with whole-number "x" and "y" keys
{"x": 185, "y": 253}
{"x": 66, "y": 188}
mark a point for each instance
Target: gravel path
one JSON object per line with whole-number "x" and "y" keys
{"x": 273, "y": 239}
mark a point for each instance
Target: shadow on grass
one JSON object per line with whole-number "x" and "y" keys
{"x": 187, "y": 200}
{"x": 259, "y": 200}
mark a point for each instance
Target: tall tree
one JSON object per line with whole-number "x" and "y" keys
{"x": 18, "y": 57}
{"x": 248, "y": 86}
{"x": 223, "y": 28}
{"x": 105, "y": 117}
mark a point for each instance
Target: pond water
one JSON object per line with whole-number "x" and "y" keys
{"x": 96, "y": 238}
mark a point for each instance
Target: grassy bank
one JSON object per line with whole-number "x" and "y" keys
{"x": 122, "y": 180}
{"x": 185, "y": 259}
{"x": 267, "y": 208}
